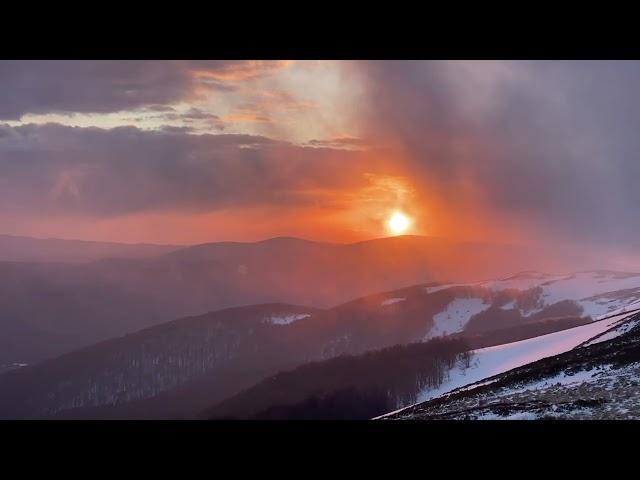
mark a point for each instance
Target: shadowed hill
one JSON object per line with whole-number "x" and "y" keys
{"x": 27, "y": 249}
{"x": 179, "y": 368}
{"x": 79, "y": 304}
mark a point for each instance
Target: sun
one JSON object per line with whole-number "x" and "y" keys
{"x": 398, "y": 223}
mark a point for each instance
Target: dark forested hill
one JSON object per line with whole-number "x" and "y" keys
{"x": 47, "y": 309}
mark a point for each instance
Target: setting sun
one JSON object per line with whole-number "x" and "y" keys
{"x": 398, "y": 223}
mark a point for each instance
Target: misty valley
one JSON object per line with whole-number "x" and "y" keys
{"x": 283, "y": 353}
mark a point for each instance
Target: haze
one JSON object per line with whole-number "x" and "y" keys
{"x": 536, "y": 154}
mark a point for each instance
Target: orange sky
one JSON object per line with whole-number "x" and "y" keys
{"x": 355, "y": 213}
{"x": 191, "y": 152}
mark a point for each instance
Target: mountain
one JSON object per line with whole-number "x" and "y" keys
{"x": 293, "y": 395}
{"x": 588, "y": 372}
{"x": 48, "y": 308}
{"x": 182, "y": 367}
{"x": 597, "y": 293}
{"x": 359, "y": 387}
{"x": 15, "y": 248}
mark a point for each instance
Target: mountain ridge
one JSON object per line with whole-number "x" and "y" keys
{"x": 84, "y": 302}
{"x": 197, "y": 360}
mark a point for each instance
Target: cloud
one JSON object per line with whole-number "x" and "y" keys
{"x": 198, "y": 114}
{"x": 40, "y": 87}
{"x": 263, "y": 106}
{"x": 59, "y": 170}
{"x": 159, "y": 108}
{"x": 495, "y": 145}
{"x": 234, "y": 71}
{"x": 193, "y": 116}
{"x": 345, "y": 142}
{"x": 247, "y": 116}
{"x": 550, "y": 143}
{"x": 176, "y": 130}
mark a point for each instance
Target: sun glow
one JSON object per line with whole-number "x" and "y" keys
{"x": 398, "y": 223}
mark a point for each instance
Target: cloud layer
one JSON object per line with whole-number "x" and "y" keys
{"x": 91, "y": 171}
{"x": 543, "y": 149}
{"x": 552, "y": 142}
{"x": 56, "y": 86}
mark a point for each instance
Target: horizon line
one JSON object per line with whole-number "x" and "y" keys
{"x": 263, "y": 240}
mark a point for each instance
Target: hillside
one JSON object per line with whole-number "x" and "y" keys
{"x": 185, "y": 366}
{"x": 360, "y": 387}
{"x": 590, "y": 374}
{"x": 79, "y": 304}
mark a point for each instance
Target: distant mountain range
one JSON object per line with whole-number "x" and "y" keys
{"x": 14, "y": 248}
{"x": 60, "y": 303}
{"x": 184, "y": 367}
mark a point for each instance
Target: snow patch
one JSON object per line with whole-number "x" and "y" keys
{"x": 583, "y": 285}
{"x": 285, "y": 319}
{"x": 509, "y": 306}
{"x": 429, "y": 290}
{"x": 391, "y": 301}
{"x": 454, "y": 318}
{"x": 522, "y": 282}
{"x": 598, "y": 293}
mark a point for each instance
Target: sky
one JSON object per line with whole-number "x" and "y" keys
{"x": 183, "y": 152}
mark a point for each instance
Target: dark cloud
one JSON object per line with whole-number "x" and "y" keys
{"x": 218, "y": 85}
{"x": 199, "y": 114}
{"x": 339, "y": 142}
{"x": 193, "y": 115}
{"x": 551, "y": 142}
{"x": 110, "y": 86}
{"x": 177, "y": 130}
{"x": 54, "y": 169}
{"x": 160, "y": 108}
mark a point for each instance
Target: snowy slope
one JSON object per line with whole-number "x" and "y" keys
{"x": 491, "y": 361}
{"x": 598, "y": 379}
{"x": 598, "y": 293}
{"x": 531, "y": 296}
{"x": 456, "y": 316}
